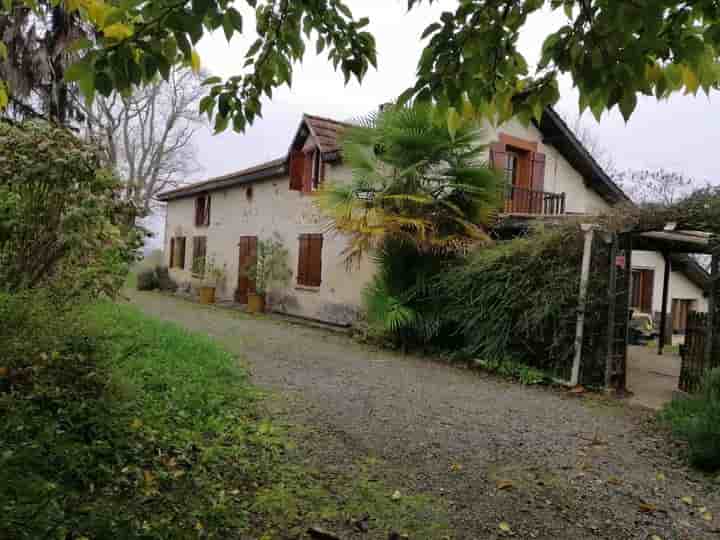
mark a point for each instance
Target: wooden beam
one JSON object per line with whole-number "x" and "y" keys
{"x": 663, "y": 307}
{"x": 612, "y": 300}
{"x": 709, "y": 349}
{"x": 589, "y": 231}
{"x": 622, "y": 382}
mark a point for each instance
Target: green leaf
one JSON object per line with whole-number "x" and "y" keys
{"x": 76, "y": 71}
{"x": 3, "y": 51}
{"x": 627, "y": 104}
{"x": 4, "y": 98}
{"x": 430, "y": 30}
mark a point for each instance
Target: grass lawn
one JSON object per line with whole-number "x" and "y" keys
{"x": 139, "y": 429}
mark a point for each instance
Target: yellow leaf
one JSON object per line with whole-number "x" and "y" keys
{"x": 97, "y": 11}
{"x": 118, "y": 31}
{"x": 195, "y": 61}
{"x": 72, "y": 5}
{"x": 687, "y": 500}
{"x": 504, "y": 484}
{"x": 455, "y": 467}
{"x": 655, "y": 537}
{"x": 396, "y": 496}
{"x": 614, "y": 480}
{"x": 505, "y": 527}
{"x": 647, "y": 508}
{"x": 707, "y": 516}
{"x": 136, "y": 424}
{"x": 660, "y": 477}
{"x": 690, "y": 80}
{"x": 3, "y": 51}
{"x": 3, "y": 96}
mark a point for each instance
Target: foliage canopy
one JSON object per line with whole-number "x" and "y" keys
{"x": 613, "y": 50}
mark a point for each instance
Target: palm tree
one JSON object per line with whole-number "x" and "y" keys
{"x": 419, "y": 176}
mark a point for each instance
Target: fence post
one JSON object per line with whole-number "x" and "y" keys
{"x": 589, "y": 231}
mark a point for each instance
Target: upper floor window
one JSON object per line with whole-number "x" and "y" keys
{"x": 306, "y": 170}
{"x": 177, "y": 252}
{"x": 202, "y": 211}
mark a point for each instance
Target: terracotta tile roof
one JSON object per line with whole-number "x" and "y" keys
{"x": 326, "y": 132}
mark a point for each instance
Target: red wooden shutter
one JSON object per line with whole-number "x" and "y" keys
{"x": 498, "y": 156}
{"x": 297, "y": 166}
{"x": 172, "y": 253}
{"x": 537, "y": 169}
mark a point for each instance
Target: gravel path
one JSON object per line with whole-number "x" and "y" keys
{"x": 550, "y": 465}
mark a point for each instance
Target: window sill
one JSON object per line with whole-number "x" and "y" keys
{"x": 307, "y": 288}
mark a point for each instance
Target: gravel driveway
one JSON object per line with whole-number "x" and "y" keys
{"x": 551, "y": 465}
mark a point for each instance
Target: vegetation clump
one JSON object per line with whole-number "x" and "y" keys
{"x": 696, "y": 420}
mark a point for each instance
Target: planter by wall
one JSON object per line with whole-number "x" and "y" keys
{"x": 207, "y": 295}
{"x": 256, "y": 303}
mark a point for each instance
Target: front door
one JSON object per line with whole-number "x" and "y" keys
{"x": 247, "y": 248}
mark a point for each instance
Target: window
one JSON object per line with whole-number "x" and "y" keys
{"x": 310, "y": 260}
{"x": 512, "y": 168}
{"x": 199, "y": 252}
{"x": 643, "y": 282}
{"x": 202, "y": 211}
{"x": 306, "y": 170}
{"x": 177, "y": 252}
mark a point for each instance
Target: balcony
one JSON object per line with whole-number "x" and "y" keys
{"x": 526, "y": 201}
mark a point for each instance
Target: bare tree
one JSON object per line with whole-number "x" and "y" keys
{"x": 592, "y": 144}
{"x": 659, "y": 187}
{"x": 148, "y": 136}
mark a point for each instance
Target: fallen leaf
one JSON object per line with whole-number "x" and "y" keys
{"x": 505, "y": 527}
{"x": 648, "y": 508}
{"x": 455, "y": 467}
{"x": 655, "y": 537}
{"x": 396, "y": 496}
{"x": 659, "y": 477}
{"x": 579, "y": 389}
{"x": 687, "y": 500}
{"x": 136, "y": 424}
{"x": 504, "y": 484}
{"x": 707, "y": 516}
{"x": 702, "y": 509}
{"x": 614, "y": 480}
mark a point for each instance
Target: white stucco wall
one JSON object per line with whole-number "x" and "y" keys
{"x": 680, "y": 287}
{"x": 274, "y": 208}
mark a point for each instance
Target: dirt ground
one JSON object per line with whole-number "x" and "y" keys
{"x": 549, "y": 464}
{"x": 652, "y": 378}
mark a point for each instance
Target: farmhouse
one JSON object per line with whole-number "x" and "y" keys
{"x": 550, "y": 175}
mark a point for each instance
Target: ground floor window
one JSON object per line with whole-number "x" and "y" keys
{"x": 177, "y": 252}
{"x": 643, "y": 282}
{"x": 199, "y": 252}
{"x": 310, "y": 260}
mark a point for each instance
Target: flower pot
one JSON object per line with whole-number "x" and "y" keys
{"x": 207, "y": 295}
{"x": 256, "y": 303}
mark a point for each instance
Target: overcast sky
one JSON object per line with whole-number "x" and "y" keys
{"x": 682, "y": 133}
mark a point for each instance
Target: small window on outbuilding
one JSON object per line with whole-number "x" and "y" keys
{"x": 310, "y": 260}
{"x": 202, "y": 211}
{"x": 177, "y": 252}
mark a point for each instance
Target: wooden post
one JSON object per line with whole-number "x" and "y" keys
{"x": 663, "y": 308}
{"x": 612, "y": 299}
{"x": 710, "y": 336}
{"x": 622, "y": 381}
{"x": 582, "y": 298}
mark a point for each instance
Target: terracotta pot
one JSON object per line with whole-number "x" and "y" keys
{"x": 207, "y": 295}
{"x": 256, "y": 303}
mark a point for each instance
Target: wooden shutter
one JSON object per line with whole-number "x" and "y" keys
{"x": 648, "y": 283}
{"x": 171, "y": 264}
{"x": 302, "y": 260}
{"x": 297, "y": 166}
{"x": 498, "y": 156}
{"x": 537, "y": 170}
{"x": 308, "y": 169}
{"x": 181, "y": 252}
{"x": 199, "y": 252}
{"x": 315, "y": 260}
{"x": 206, "y": 217}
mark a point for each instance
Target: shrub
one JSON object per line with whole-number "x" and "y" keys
{"x": 147, "y": 280}
{"x": 697, "y": 421}
{"x": 164, "y": 281}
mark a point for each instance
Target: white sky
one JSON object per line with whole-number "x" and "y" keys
{"x": 682, "y": 133}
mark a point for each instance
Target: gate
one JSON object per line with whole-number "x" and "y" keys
{"x": 692, "y": 352}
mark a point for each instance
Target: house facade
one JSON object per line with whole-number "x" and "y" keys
{"x": 219, "y": 221}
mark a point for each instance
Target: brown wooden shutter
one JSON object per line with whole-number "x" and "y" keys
{"x": 172, "y": 253}
{"x": 198, "y": 211}
{"x": 199, "y": 253}
{"x": 307, "y": 178}
{"x": 537, "y": 170}
{"x": 206, "y": 221}
{"x": 302, "y": 260}
{"x": 498, "y": 156}
{"x": 297, "y": 166}
{"x": 648, "y": 284}
{"x": 181, "y": 253}
{"x": 315, "y": 260}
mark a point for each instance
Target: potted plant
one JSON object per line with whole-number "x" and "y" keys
{"x": 210, "y": 276}
{"x": 269, "y": 269}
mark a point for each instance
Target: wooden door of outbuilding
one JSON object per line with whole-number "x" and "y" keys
{"x": 247, "y": 248}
